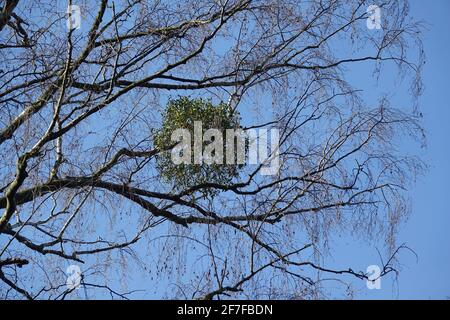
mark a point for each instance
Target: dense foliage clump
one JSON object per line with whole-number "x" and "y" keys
{"x": 182, "y": 113}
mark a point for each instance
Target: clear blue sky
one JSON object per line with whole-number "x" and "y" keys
{"x": 427, "y": 230}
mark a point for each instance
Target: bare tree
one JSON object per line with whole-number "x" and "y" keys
{"x": 80, "y": 106}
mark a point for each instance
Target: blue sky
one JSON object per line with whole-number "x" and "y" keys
{"x": 426, "y": 231}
